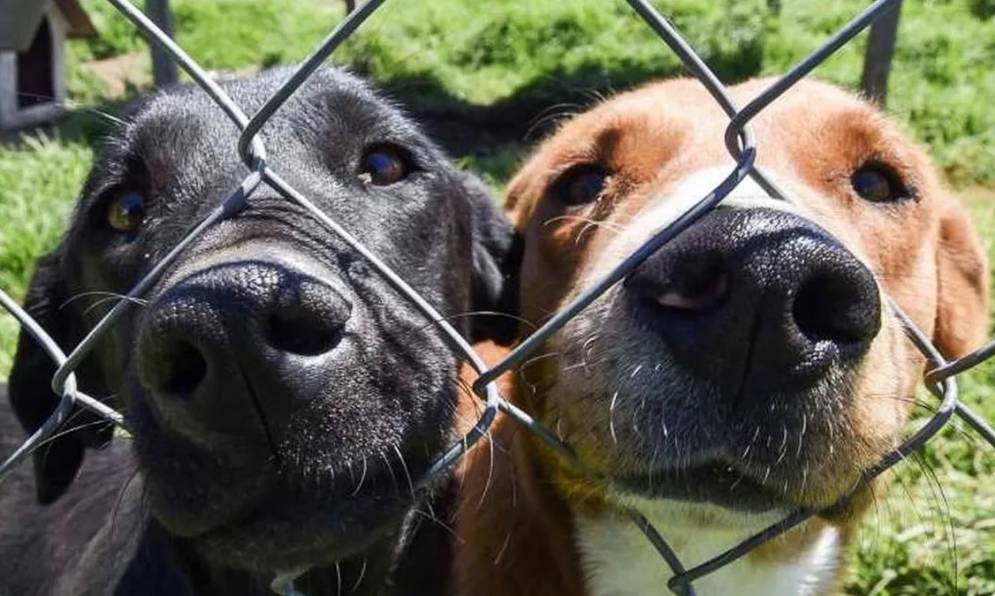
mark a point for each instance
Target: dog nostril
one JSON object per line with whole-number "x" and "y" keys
{"x": 698, "y": 285}
{"x": 184, "y": 369}
{"x": 301, "y": 331}
{"x": 831, "y": 308}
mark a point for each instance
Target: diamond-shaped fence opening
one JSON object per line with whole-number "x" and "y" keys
{"x": 940, "y": 379}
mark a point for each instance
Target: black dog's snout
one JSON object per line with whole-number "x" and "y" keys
{"x": 237, "y": 347}
{"x": 757, "y": 300}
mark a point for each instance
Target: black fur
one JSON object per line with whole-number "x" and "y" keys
{"x": 167, "y": 512}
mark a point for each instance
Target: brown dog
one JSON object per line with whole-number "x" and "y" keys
{"x": 749, "y": 367}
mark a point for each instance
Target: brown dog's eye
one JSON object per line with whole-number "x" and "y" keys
{"x": 878, "y": 184}
{"x": 581, "y": 185}
{"x": 383, "y": 166}
{"x": 126, "y": 213}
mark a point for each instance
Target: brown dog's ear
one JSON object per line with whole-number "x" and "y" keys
{"x": 962, "y": 279}
{"x": 57, "y": 460}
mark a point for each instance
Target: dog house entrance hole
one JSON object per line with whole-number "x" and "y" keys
{"x": 35, "y": 82}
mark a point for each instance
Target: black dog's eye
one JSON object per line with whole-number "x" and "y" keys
{"x": 383, "y": 166}
{"x": 878, "y": 184}
{"x": 126, "y": 213}
{"x": 581, "y": 185}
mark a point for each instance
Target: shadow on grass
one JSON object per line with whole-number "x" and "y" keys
{"x": 491, "y": 138}
{"x": 468, "y": 130}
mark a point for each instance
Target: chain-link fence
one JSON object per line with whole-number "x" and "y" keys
{"x": 940, "y": 378}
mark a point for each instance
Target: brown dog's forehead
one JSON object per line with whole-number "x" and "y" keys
{"x": 677, "y": 126}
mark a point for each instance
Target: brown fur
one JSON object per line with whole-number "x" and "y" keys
{"x": 514, "y": 524}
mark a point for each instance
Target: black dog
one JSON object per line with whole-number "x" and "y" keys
{"x": 280, "y": 395}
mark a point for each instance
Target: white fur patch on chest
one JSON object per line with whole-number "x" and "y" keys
{"x": 618, "y": 560}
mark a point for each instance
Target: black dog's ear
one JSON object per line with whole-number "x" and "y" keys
{"x": 497, "y": 254}
{"x": 56, "y": 461}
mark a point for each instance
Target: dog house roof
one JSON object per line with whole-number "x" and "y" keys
{"x": 21, "y": 18}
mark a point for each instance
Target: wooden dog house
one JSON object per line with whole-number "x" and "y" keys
{"x": 33, "y": 35}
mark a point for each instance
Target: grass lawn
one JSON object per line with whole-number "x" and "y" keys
{"x": 935, "y": 532}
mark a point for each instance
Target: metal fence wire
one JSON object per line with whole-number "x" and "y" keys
{"x": 940, "y": 379}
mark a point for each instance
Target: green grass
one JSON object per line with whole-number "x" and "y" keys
{"x": 38, "y": 183}
{"x": 456, "y": 54}
{"x": 537, "y": 48}
{"x": 222, "y": 34}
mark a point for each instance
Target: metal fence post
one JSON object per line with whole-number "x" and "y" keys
{"x": 164, "y": 69}
{"x": 880, "y": 51}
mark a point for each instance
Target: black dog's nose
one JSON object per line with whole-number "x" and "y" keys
{"x": 757, "y": 300}
{"x": 235, "y": 348}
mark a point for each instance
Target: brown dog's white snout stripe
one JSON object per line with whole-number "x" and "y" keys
{"x": 747, "y": 194}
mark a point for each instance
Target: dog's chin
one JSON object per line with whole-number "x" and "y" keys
{"x": 317, "y": 497}
{"x": 760, "y": 452}
{"x": 732, "y": 484}
{"x": 295, "y": 516}
{"x": 300, "y": 530}
{"x": 715, "y": 483}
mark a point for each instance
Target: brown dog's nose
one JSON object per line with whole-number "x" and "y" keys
{"x": 235, "y": 348}
{"x": 757, "y": 301}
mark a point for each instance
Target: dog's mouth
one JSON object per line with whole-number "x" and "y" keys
{"x": 751, "y": 427}
{"x": 321, "y": 494}
{"x": 673, "y": 436}
{"x": 718, "y": 483}
{"x": 797, "y": 449}
{"x": 298, "y": 526}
